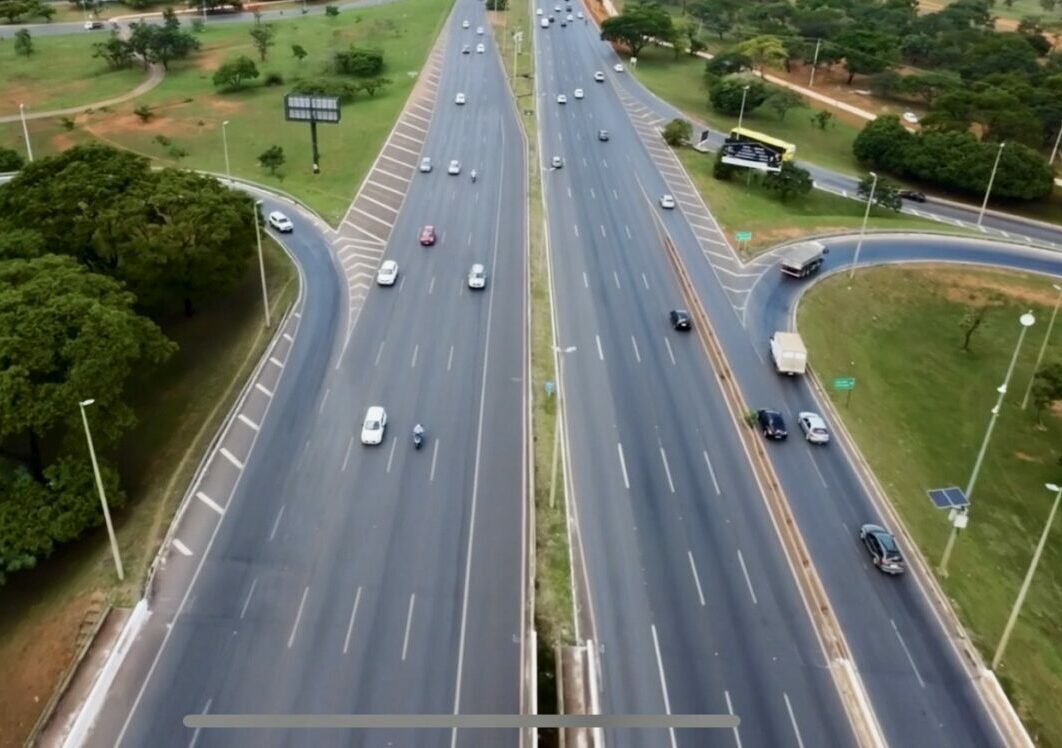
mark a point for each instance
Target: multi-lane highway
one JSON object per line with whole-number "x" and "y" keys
{"x": 343, "y": 578}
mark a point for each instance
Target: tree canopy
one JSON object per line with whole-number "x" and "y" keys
{"x": 637, "y": 23}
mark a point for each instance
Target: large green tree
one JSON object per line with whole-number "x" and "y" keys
{"x": 636, "y": 24}
{"x": 867, "y": 52}
{"x": 727, "y": 92}
{"x": 764, "y": 51}
{"x": 232, "y": 74}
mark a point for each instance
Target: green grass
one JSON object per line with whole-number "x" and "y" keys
{"x": 60, "y": 73}
{"x": 919, "y": 414}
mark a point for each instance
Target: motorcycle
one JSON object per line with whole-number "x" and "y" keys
{"x": 474, "y": 175}
{"x": 418, "y": 438}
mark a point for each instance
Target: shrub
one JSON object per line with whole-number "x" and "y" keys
{"x": 273, "y": 79}
{"x": 144, "y": 112}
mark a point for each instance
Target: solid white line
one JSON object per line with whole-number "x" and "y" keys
{"x": 670, "y": 354}
{"x": 181, "y": 547}
{"x": 409, "y": 621}
{"x": 209, "y": 502}
{"x": 623, "y": 465}
{"x": 730, "y": 708}
{"x": 287, "y": 337}
{"x": 350, "y": 626}
{"x": 276, "y": 522}
{"x": 247, "y": 602}
{"x": 195, "y": 735}
{"x": 593, "y": 195}
{"x": 434, "y": 456}
{"x": 602, "y": 227}
{"x": 817, "y": 471}
{"x": 231, "y": 458}
{"x": 586, "y": 281}
{"x": 907, "y": 652}
{"x": 628, "y": 230}
{"x": 696, "y": 579}
{"x": 792, "y": 718}
{"x": 258, "y": 385}
{"x": 328, "y": 391}
{"x": 248, "y": 421}
{"x": 711, "y": 472}
{"x": 600, "y": 353}
{"x": 615, "y": 277}
{"x": 298, "y": 617}
{"x": 346, "y": 457}
{"x": 663, "y": 682}
{"x": 615, "y": 195}
{"x": 450, "y": 359}
{"x": 576, "y": 228}
{"x": 748, "y": 581}
{"x": 431, "y": 285}
{"x": 645, "y": 282}
{"x": 636, "y": 354}
{"x": 604, "y": 162}
{"x": 378, "y": 354}
{"x": 391, "y": 456}
{"x": 413, "y": 363}
{"x": 667, "y": 470}
{"x": 276, "y": 361}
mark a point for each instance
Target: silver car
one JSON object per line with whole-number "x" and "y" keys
{"x": 477, "y": 277}
{"x": 814, "y": 427}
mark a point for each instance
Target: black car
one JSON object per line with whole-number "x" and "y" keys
{"x": 883, "y": 549}
{"x": 913, "y": 196}
{"x": 681, "y": 320}
{"x": 771, "y": 424}
{"x": 602, "y": 135}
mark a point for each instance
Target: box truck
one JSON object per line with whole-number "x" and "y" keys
{"x": 788, "y": 353}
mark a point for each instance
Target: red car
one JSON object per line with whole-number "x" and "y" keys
{"x": 427, "y": 236}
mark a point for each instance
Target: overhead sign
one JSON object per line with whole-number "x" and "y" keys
{"x": 750, "y": 155}
{"x": 311, "y": 108}
{"x": 743, "y": 236}
{"x": 844, "y": 383}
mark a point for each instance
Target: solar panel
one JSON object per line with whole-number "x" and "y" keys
{"x": 948, "y": 498}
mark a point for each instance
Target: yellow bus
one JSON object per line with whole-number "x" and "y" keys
{"x": 788, "y": 150}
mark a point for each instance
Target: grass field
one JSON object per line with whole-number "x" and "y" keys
{"x": 919, "y": 415}
{"x": 179, "y": 407}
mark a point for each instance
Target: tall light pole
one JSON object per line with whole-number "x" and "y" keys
{"x": 1043, "y": 346}
{"x": 814, "y": 63}
{"x": 1054, "y": 151}
{"x": 557, "y": 422}
{"x": 741, "y": 114}
{"x": 863, "y": 230}
{"x": 1027, "y": 320}
{"x": 225, "y": 146}
{"x": 261, "y": 261}
{"x": 99, "y": 487}
{"x": 25, "y": 131}
{"x": 1028, "y": 576}
{"x": 991, "y": 180}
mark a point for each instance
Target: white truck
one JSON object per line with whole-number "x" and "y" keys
{"x": 801, "y": 260}
{"x": 788, "y": 353}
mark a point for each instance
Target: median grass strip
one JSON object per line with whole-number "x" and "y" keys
{"x": 919, "y": 412}
{"x": 179, "y": 408}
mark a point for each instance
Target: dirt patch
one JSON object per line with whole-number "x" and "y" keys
{"x": 1025, "y": 457}
{"x": 210, "y": 59}
{"x": 966, "y": 287}
{"x": 118, "y": 124}
{"x": 225, "y": 106}
{"x": 16, "y": 94}
{"x": 62, "y": 141}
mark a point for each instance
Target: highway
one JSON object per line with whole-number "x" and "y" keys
{"x": 352, "y": 579}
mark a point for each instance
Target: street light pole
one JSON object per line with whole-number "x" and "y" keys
{"x": 991, "y": 180}
{"x": 25, "y": 131}
{"x": 557, "y": 422}
{"x": 261, "y": 262}
{"x": 103, "y": 496}
{"x": 225, "y": 146}
{"x": 1054, "y": 151}
{"x": 863, "y": 230}
{"x": 741, "y": 114}
{"x": 1043, "y": 346}
{"x": 1028, "y": 576}
{"x": 1027, "y": 320}
{"x": 814, "y": 62}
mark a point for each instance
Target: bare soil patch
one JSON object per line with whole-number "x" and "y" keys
{"x": 118, "y": 124}
{"x": 978, "y": 287}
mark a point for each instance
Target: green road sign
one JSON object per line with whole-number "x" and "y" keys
{"x": 844, "y": 383}
{"x": 744, "y": 236}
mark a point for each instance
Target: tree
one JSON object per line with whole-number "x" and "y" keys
{"x": 678, "y": 132}
{"x": 727, "y": 62}
{"x": 867, "y": 52}
{"x": 765, "y": 51}
{"x": 372, "y": 85}
{"x": 116, "y": 51}
{"x": 886, "y": 194}
{"x": 1047, "y": 388}
{"x": 822, "y": 119}
{"x": 636, "y": 24}
{"x": 497, "y": 4}
{"x": 232, "y": 74}
{"x": 718, "y": 16}
{"x": 882, "y": 144}
{"x": 10, "y": 160}
{"x": 782, "y": 100}
{"x": 331, "y": 11}
{"x": 263, "y": 38}
{"x": 791, "y": 181}
{"x": 14, "y": 10}
{"x": 168, "y": 42}
{"x": 970, "y": 322}
{"x": 272, "y": 158}
{"x": 1048, "y": 5}
{"x": 726, "y": 94}
{"x": 299, "y": 52}
{"x": 886, "y": 84}
{"x": 23, "y": 43}
{"x": 141, "y": 37}
{"x": 359, "y": 61}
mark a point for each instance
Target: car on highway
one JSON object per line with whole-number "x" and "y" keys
{"x": 465, "y": 24}
{"x": 466, "y": 49}
{"x": 563, "y": 23}
{"x": 883, "y": 550}
{"x": 481, "y": 48}
{"x": 771, "y": 424}
{"x": 599, "y": 77}
{"x": 562, "y": 99}
{"x": 454, "y": 168}
{"x": 580, "y": 15}
{"x": 556, "y": 9}
{"x": 680, "y": 319}
{"x": 618, "y": 67}
{"x": 571, "y": 18}
{"x": 667, "y": 202}
{"x": 477, "y": 277}
{"x": 387, "y": 274}
{"x": 427, "y": 236}
{"x": 479, "y": 30}
{"x": 425, "y": 164}
{"x": 372, "y": 430}
{"x": 556, "y": 162}
{"x": 544, "y": 23}
{"x": 460, "y": 99}
{"x": 913, "y": 195}
{"x": 578, "y": 93}
{"x": 281, "y": 222}
{"x": 814, "y": 427}
{"x": 602, "y": 135}
{"x": 92, "y": 25}
{"x": 538, "y": 12}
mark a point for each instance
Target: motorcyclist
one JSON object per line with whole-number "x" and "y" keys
{"x": 474, "y": 175}
{"x": 418, "y": 432}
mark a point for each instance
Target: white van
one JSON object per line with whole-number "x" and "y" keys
{"x": 543, "y": 22}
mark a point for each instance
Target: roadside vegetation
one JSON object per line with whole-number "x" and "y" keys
{"x": 919, "y": 412}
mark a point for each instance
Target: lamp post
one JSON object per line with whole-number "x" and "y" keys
{"x": 741, "y": 113}
{"x": 1043, "y": 346}
{"x": 1054, "y": 151}
{"x": 814, "y": 63}
{"x": 1027, "y": 320}
{"x": 863, "y": 230}
{"x": 261, "y": 261}
{"x": 225, "y": 147}
{"x": 1028, "y": 575}
{"x": 99, "y": 487}
{"x": 557, "y": 423}
{"x": 991, "y": 180}
{"x": 25, "y": 131}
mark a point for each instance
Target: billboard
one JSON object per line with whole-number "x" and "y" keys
{"x": 751, "y": 155}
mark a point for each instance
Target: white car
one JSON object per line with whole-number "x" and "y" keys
{"x": 579, "y": 15}
{"x": 667, "y": 202}
{"x": 538, "y": 12}
{"x": 556, "y": 162}
{"x": 481, "y": 48}
{"x": 465, "y": 24}
{"x": 570, "y": 18}
{"x": 90, "y": 25}
{"x": 281, "y": 222}
{"x": 460, "y": 99}
{"x": 372, "y": 430}
{"x": 477, "y": 277}
{"x": 618, "y": 67}
{"x": 814, "y": 428}
{"x": 578, "y": 93}
{"x": 599, "y": 77}
{"x": 425, "y": 164}
{"x": 562, "y": 99}
{"x": 455, "y": 168}
{"x": 388, "y": 273}
{"x": 479, "y": 30}
{"x": 910, "y": 118}
{"x": 556, "y": 9}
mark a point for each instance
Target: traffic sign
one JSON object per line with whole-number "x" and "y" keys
{"x": 549, "y": 387}
{"x": 743, "y": 236}
{"x": 844, "y": 383}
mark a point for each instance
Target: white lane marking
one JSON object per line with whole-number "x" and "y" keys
{"x": 298, "y": 617}
{"x": 907, "y": 652}
{"x": 615, "y": 277}
{"x": 593, "y": 195}
{"x": 670, "y": 354}
{"x": 243, "y": 611}
{"x": 287, "y": 337}
{"x": 817, "y": 471}
{"x": 231, "y": 458}
{"x": 663, "y": 682}
{"x": 346, "y": 457}
{"x": 645, "y": 282}
{"x": 391, "y": 456}
{"x": 431, "y": 285}
{"x": 575, "y": 227}
{"x": 604, "y": 162}
{"x": 409, "y": 621}
{"x": 696, "y": 578}
{"x": 748, "y": 580}
{"x": 602, "y": 227}
{"x": 569, "y": 192}
{"x": 636, "y": 354}
{"x": 792, "y": 718}
{"x": 623, "y": 465}
{"x": 469, "y": 242}
{"x": 434, "y": 456}
{"x": 413, "y": 363}
{"x": 730, "y": 708}
{"x": 667, "y": 470}
{"x": 324, "y": 400}
{"x": 586, "y": 281}
{"x": 248, "y": 421}
{"x": 378, "y": 354}
{"x": 209, "y": 502}
{"x": 350, "y": 625}
{"x": 276, "y": 361}
{"x": 600, "y": 353}
{"x": 450, "y": 359}
{"x": 181, "y": 547}
{"x": 276, "y": 522}
{"x": 628, "y": 230}
{"x": 584, "y": 161}
{"x": 195, "y": 735}
{"x": 711, "y": 472}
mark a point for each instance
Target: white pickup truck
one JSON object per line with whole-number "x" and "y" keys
{"x": 788, "y": 353}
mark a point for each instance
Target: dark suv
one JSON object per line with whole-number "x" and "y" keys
{"x": 771, "y": 424}
{"x": 883, "y": 549}
{"x": 680, "y": 319}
